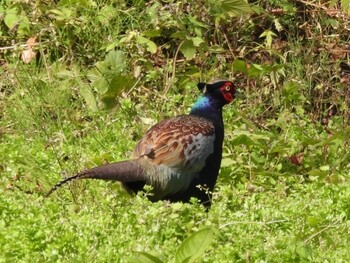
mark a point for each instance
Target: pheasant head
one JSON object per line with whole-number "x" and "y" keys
{"x": 215, "y": 95}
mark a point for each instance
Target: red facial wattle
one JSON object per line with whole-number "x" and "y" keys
{"x": 227, "y": 92}
{"x": 228, "y": 96}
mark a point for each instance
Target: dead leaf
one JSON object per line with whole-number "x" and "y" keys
{"x": 28, "y": 54}
{"x": 297, "y": 159}
{"x": 31, "y": 42}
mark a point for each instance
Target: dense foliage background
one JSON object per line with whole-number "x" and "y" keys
{"x": 81, "y": 81}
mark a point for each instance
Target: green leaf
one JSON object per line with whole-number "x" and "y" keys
{"x": 345, "y": 5}
{"x": 317, "y": 174}
{"x": 62, "y": 14}
{"x": 116, "y": 60}
{"x": 325, "y": 168}
{"x": 195, "y": 22}
{"x": 257, "y": 158}
{"x": 106, "y": 14}
{"x": 109, "y": 78}
{"x": 109, "y": 102}
{"x": 179, "y": 35}
{"x": 216, "y": 49}
{"x": 291, "y": 93}
{"x": 150, "y": 45}
{"x": 242, "y": 139}
{"x": 148, "y": 121}
{"x": 119, "y": 83}
{"x": 226, "y": 162}
{"x": 101, "y": 84}
{"x": 303, "y": 250}
{"x": 152, "y": 33}
{"x": 187, "y": 48}
{"x": 268, "y": 34}
{"x": 24, "y": 25}
{"x": 255, "y": 70}
{"x": 240, "y": 66}
{"x": 11, "y": 18}
{"x": 112, "y": 45}
{"x": 314, "y": 221}
{"x": 143, "y": 257}
{"x": 229, "y": 8}
{"x": 197, "y": 41}
{"x": 194, "y": 246}
{"x": 89, "y": 97}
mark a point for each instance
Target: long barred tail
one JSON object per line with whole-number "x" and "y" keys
{"x": 60, "y": 183}
{"x": 126, "y": 171}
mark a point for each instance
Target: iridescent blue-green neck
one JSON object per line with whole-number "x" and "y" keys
{"x": 208, "y": 107}
{"x": 201, "y": 103}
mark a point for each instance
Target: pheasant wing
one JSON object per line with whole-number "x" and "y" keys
{"x": 183, "y": 142}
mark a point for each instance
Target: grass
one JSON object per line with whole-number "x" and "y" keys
{"x": 283, "y": 191}
{"x": 276, "y": 216}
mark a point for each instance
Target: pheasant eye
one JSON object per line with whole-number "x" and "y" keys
{"x": 227, "y": 88}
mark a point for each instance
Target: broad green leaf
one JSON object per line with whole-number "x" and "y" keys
{"x": 257, "y": 158}
{"x": 194, "y": 246}
{"x": 152, "y": 33}
{"x": 109, "y": 78}
{"x": 112, "y": 45}
{"x": 11, "y": 18}
{"x": 143, "y": 257}
{"x": 227, "y": 162}
{"x": 150, "y": 45}
{"x": 325, "y": 168}
{"x": 345, "y": 5}
{"x": 187, "y": 48}
{"x": 197, "y": 41}
{"x": 109, "y": 102}
{"x": 63, "y": 14}
{"x": 106, "y": 14}
{"x": 314, "y": 221}
{"x": 118, "y": 84}
{"x": 242, "y": 139}
{"x": 24, "y": 25}
{"x": 179, "y": 35}
{"x": 148, "y": 121}
{"x": 316, "y": 174}
{"x": 337, "y": 139}
{"x": 116, "y": 60}
{"x": 303, "y": 250}
{"x": 89, "y": 97}
{"x": 230, "y": 8}
{"x": 240, "y": 66}
{"x": 255, "y": 70}
{"x": 216, "y": 49}
{"x": 94, "y": 74}
{"x": 291, "y": 93}
{"x": 101, "y": 85}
